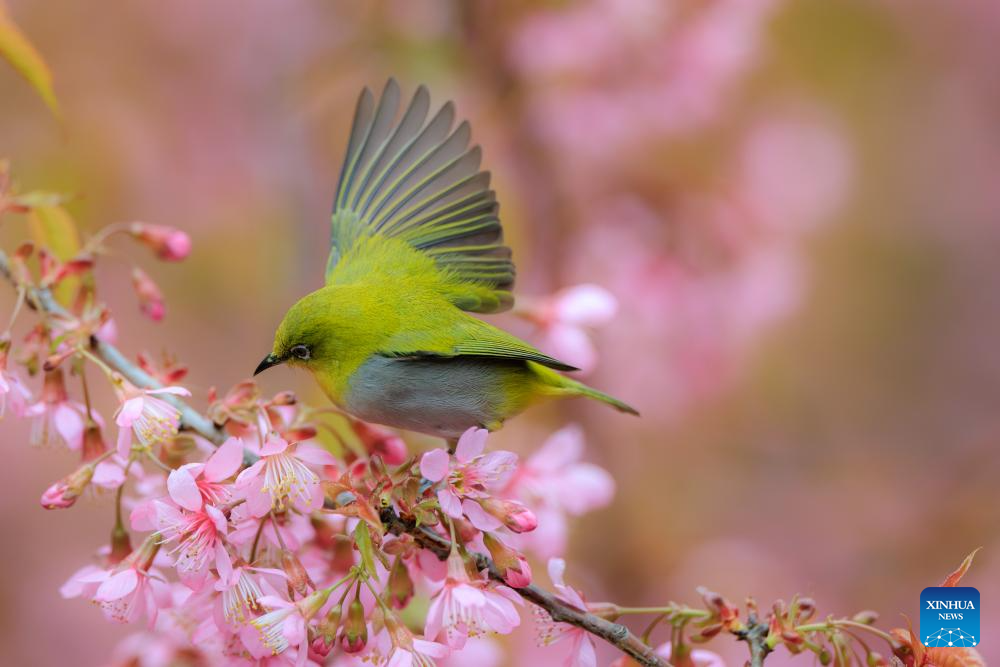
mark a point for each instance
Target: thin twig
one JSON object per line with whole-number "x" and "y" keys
{"x": 561, "y": 612}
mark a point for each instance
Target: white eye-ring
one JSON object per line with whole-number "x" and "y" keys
{"x": 301, "y": 352}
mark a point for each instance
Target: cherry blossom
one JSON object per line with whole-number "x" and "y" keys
{"x": 282, "y": 477}
{"x": 468, "y": 477}
{"x": 465, "y": 607}
{"x": 152, "y": 419}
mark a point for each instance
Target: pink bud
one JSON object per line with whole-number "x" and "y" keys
{"x": 320, "y": 646}
{"x": 512, "y": 564}
{"x": 298, "y": 579}
{"x": 64, "y": 493}
{"x": 514, "y": 515}
{"x": 150, "y": 298}
{"x": 169, "y": 243}
{"x": 355, "y": 631}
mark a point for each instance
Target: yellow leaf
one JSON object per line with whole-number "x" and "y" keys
{"x": 54, "y": 229}
{"x": 19, "y": 52}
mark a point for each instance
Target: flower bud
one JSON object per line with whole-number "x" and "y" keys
{"x": 321, "y": 646}
{"x": 326, "y": 632}
{"x": 298, "y": 579}
{"x": 150, "y": 298}
{"x": 354, "y": 635}
{"x": 400, "y": 585}
{"x": 169, "y": 243}
{"x": 867, "y": 617}
{"x": 64, "y": 493}
{"x": 512, "y": 565}
{"x": 377, "y": 440}
{"x": 514, "y": 515}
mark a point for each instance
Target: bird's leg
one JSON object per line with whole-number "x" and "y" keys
{"x": 452, "y": 444}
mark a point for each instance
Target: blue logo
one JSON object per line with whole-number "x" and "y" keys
{"x": 949, "y": 616}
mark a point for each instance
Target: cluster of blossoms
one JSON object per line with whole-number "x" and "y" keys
{"x": 269, "y": 532}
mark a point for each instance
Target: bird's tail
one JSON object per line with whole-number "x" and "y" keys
{"x": 557, "y": 384}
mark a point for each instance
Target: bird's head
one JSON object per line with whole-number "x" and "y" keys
{"x": 303, "y": 337}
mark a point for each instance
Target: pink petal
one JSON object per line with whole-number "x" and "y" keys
{"x": 431, "y": 649}
{"x": 563, "y": 447}
{"x": 258, "y": 501}
{"x": 223, "y": 563}
{"x": 557, "y": 568}
{"x": 69, "y": 425}
{"x": 314, "y": 455}
{"x": 586, "y": 656}
{"x": 108, "y": 475}
{"x": 218, "y": 518}
{"x": 183, "y": 489}
{"x": 225, "y": 461}
{"x": 129, "y": 412}
{"x": 471, "y": 444}
{"x": 176, "y": 391}
{"x": 450, "y": 503}
{"x": 143, "y": 516}
{"x": 585, "y": 487}
{"x": 124, "y": 444}
{"x": 479, "y": 517}
{"x": 117, "y": 586}
{"x": 585, "y": 305}
{"x": 273, "y": 445}
{"x": 250, "y": 473}
{"x": 434, "y": 465}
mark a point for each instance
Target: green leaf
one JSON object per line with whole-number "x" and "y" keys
{"x": 363, "y": 540}
{"x": 19, "y": 52}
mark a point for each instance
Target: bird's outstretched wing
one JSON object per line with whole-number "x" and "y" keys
{"x": 415, "y": 179}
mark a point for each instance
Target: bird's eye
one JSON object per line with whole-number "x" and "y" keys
{"x": 301, "y": 352}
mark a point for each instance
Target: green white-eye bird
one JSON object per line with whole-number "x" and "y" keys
{"x": 416, "y": 246}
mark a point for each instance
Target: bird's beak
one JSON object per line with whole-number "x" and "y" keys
{"x": 269, "y": 360}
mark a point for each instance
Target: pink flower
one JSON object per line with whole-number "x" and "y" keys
{"x": 152, "y": 419}
{"x": 284, "y": 626}
{"x": 555, "y": 483}
{"x": 241, "y": 593}
{"x": 469, "y": 477}
{"x": 409, "y": 651}
{"x": 194, "y": 484}
{"x": 564, "y": 318}
{"x": 582, "y": 652}
{"x": 130, "y": 590}
{"x": 169, "y": 243}
{"x": 463, "y": 607}
{"x": 54, "y": 413}
{"x": 281, "y": 477}
{"x": 150, "y": 297}
{"x": 197, "y": 538}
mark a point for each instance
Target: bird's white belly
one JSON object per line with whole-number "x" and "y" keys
{"x": 441, "y": 397}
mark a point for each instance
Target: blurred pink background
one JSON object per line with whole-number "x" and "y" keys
{"x": 795, "y": 204}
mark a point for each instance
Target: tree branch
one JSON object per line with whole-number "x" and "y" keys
{"x": 42, "y": 300}
{"x": 613, "y": 633}
{"x": 616, "y": 634}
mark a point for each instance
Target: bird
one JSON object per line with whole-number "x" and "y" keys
{"x": 416, "y": 249}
